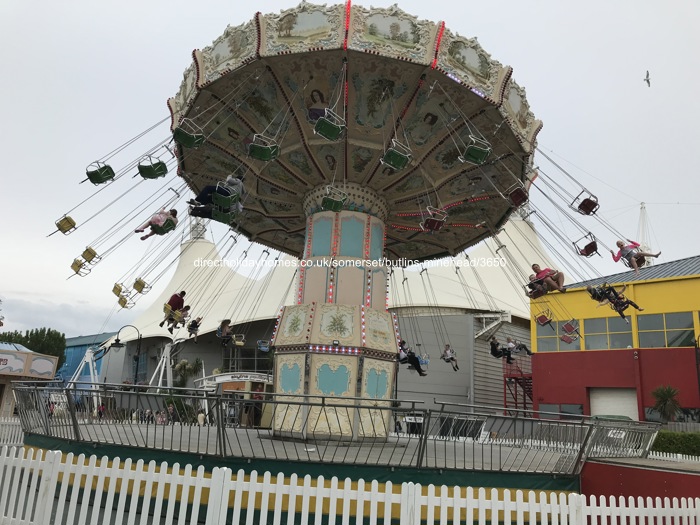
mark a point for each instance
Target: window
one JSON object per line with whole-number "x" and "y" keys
{"x": 606, "y": 333}
{"x": 665, "y": 330}
{"x": 548, "y": 338}
{"x": 567, "y": 411}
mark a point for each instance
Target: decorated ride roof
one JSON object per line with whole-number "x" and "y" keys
{"x": 405, "y": 79}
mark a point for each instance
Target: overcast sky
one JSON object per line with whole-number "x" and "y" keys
{"x": 82, "y": 77}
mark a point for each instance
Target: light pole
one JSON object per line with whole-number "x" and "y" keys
{"x": 118, "y": 344}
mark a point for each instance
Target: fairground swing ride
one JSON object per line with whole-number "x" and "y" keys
{"x": 357, "y": 134}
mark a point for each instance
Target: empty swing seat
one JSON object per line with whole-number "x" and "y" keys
{"x": 568, "y": 339}
{"x": 330, "y": 126}
{"x": 263, "y": 345}
{"x": 397, "y": 156}
{"x": 65, "y": 224}
{"x": 124, "y": 302}
{"x": 435, "y": 221}
{"x": 590, "y": 249}
{"x": 544, "y": 318}
{"x": 99, "y": 173}
{"x": 152, "y": 170}
{"x": 78, "y": 266}
{"x": 476, "y": 152}
{"x": 117, "y": 289}
{"x": 140, "y": 286}
{"x": 518, "y": 196}
{"x": 168, "y": 226}
{"x": 90, "y": 255}
{"x": 188, "y": 135}
{"x": 263, "y": 148}
{"x": 586, "y": 206}
{"x": 569, "y": 327}
{"x": 334, "y": 199}
{"x": 239, "y": 339}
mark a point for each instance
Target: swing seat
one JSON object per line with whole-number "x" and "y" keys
{"x": 568, "y": 339}
{"x": 65, "y": 224}
{"x": 263, "y": 148}
{"x": 334, "y": 199}
{"x": 544, "y": 318}
{"x": 570, "y": 327}
{"x": 518, "y": 196}
{"x": 330, "y": 126}
{"x": 263, "y": 345}
{"x": 476, "y": 152}
{"x": 176, "y": 316}
{"x": 167, "y": 309}
{"x": 168, "y": 226}
{"x": 124, "y": 302}
{"x": 590, "y": 249}
{"x": 189, "y": 135}
{"x": 239, "y": 339}
{"x": 224, "y": 217}
{"x": 140, "y": 286}
{"x": 224, "y": 202}
{"x": 117, "y": 289}
{"x": 641, "y": 261}
{"x": 587, "y": 205}
{"x": 535, "y": 294}
{"x": 90, "y": 255}
{"x": 79, "y": 267}
{"x": 99, "y": 173}
{"x": 397, "y": 156}
{"x": 150, "y": 169}
{"x": 435, "y": 221}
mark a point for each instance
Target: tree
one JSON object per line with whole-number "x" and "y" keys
{"x": 42, "y": 340}
{"x": 667, "y": 404}
{"x": 394, "y": 29}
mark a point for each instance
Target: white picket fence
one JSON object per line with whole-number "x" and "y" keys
{"x": 44, "y": 488}
{"x": 10, "y": 431}
{"x": 669, "y": 456}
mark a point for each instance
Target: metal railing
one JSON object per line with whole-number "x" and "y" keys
{"x": 326, "y": 430}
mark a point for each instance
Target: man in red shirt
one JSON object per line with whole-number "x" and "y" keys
{"x": 176, "y": 302}
{"x": 553, "y": 279}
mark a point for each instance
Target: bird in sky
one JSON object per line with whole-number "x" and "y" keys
{"x": 647, "y": 79}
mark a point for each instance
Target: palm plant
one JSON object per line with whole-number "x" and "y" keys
{"x": 667, "y": 404}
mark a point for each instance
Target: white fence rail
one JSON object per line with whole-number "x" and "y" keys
{"x": 669, "y": 456}
{"x": 47, "y": 488}
{"x": 10, "y": 431}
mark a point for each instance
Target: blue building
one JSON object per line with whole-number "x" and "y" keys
{"x": 75, "y": 351}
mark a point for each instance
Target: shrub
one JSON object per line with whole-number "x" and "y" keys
{"x": 677, "y": 442}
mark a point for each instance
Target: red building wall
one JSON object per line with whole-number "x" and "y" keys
{"x": 565, "y": 377}
{"x": 604, "y": 479}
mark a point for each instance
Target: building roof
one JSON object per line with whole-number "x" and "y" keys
{"x": 95, "y": 339}
{"x": 15, "y": 347}
{"x": 687, "y": 267}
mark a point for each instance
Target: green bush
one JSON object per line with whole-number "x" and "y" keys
{"x": 677, "y": 443}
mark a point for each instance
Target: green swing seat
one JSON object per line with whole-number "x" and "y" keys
{"x": 188, "y": 135}
{"x": 79, "y": 267}
{"x": 224, "y": 202}
{"x": 397, "y": 156}
{"x": 476, "y": 152}
{"x": 225, "y": 217}
{"x": 168, "y": 226}
{"x": 99, "y": 173}
{"x": 153, "y": 170}
{"x": 90, "y": 255}
{"x": 334, "y": 199}
{"x": 330, "y": 127}
{"x": 263, "y": 148}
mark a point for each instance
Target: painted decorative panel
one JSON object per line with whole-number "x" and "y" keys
{"x": 290, "y": 375}
{"x": 294, "y": 324}
{"x": 516, "y": 108}
{"x": 228, "y": 52}
{"x": 322, "y": 236}
{"x": 376, "y": 246}
{"x": 185, "y": 95}
{"x": 392, "y": 32}
{"x": 337, "y": 322}
{"x": 315, "y": 283}
{"x": 298, "y": 29}
{"x": 352, "y": 233}
{"x": 27, "y": 364}
{"x": 350, "y": 285}
{"x": 377, "y": 384}
{"x": 379, "y": 291}
{"x": 333, "y": 375}
{"x": 379, "y": 330}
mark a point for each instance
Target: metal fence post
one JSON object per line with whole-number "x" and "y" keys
{"x": 221, "y": 426}
{"x": 73, "y": 414}
{"x": 423, "y": 439}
